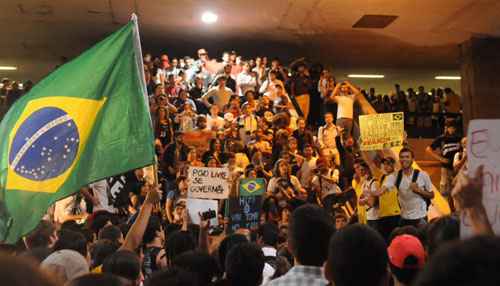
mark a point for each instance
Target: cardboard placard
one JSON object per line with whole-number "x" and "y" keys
{"x": 483, "y": 148}
{"x": 243, "y": 212}
{"x": 198, "y": 206}
{"x": 208, "y": 183}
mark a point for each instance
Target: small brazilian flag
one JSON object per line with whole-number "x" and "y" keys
{"x": 86, "y": 121}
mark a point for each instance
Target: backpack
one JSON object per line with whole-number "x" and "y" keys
{"x": 413, "y": 180}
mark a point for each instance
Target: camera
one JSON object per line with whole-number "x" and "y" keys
{"x": 210, "y": 214}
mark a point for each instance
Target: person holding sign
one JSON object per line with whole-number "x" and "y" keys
{"x": 414, "y": 190}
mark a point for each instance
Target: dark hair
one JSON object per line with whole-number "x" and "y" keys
{"x": 93, "y": 279}
{"x": 309, "y": 231}
{"x": 110, "y": 232}
{"x": 177, "y": 243}
{"x": 40, "y": 236}
{"x": 123, "y": 263}
{"x": 353, "y": 248}
{"x": 407, "y": 150}
{"x": 269, "y": 233}
{"x": 154, "y": 225}
{"x": 407, "y": 229}
{"x": 171, "y": 276}
{"x": 440, "y": 231}
{"x": 100, "y": 250}
{"x": 244, "y": 265}
{"x": 225, "y": 246}
{"x": 203, "y": 265}
{"x": 73, "y": 240}
{"x": 470, "y": 262}
{"x": 22, "y": 272}
{"x": 98, "y": 220}
{"x": 406, "y": 275}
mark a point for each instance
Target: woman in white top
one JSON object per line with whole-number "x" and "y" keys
{"x": 269, "y": 87}
{"x": 284, "y": 186}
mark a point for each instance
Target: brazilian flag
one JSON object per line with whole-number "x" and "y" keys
{"x": 86, "y": 121}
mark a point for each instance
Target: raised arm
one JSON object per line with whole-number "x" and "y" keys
{"x": 134, "y": 236}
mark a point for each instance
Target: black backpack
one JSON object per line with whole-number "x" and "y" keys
{"x": 414, "y": 178}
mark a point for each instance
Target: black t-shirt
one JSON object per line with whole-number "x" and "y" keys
{"x": 449, "y": 145}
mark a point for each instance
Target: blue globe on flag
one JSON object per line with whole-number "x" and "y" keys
{"x": 45, "y": 145}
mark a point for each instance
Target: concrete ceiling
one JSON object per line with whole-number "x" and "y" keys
{"x": 426, "y": 34}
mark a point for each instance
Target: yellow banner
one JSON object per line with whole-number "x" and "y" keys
{"x": 380, "y": 131}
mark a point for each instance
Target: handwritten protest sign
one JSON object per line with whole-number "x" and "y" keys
{"x": 243, "y": 212}
{"x": 483, "y": 148}
{"x": 252, "y": 187}
{"x": 199, "y": 206}
{"x": 208, "y": 183}
{"x": 381, "y": 131}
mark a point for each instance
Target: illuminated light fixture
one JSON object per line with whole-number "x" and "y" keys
{"x": 366, "y": 75}
{"x": 209, "y": 17}
{"x": 8, "y": 68}
{"x": 445, "y": 77}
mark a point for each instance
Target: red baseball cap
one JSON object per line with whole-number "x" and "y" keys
{"x": 403, "y": 246}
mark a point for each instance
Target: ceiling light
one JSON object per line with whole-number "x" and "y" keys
{"x": 446, "y": 77}
{"x": 209, "y": 17}
{"x": 366, "y": 76}
{"x": 8, "y": 68}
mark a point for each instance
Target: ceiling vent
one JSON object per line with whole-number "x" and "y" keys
{"x": 374, "y": 21}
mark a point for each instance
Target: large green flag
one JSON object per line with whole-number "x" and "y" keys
{"x": 86, "y": 121}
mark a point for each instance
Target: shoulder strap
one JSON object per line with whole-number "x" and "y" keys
{"x": 382, "y": 178}
{"x": 399, "y": 178}
{"x": 416, "y": 172}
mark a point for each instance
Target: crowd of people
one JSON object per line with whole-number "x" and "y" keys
{"x": 331, "y": 214}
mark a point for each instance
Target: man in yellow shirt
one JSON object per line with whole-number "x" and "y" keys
{"x": 389, "y": 211}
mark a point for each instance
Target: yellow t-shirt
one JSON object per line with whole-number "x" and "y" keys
{"x": 388, "y": 202}
{"x": 361, "y": 209}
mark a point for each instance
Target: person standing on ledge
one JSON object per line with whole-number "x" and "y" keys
{"x": 301, "y": 83}
{"x": 344, "y": 95}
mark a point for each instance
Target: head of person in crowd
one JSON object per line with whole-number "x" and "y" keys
{"x": 450, "y": 127}
{"x": 407, "y": 229}
{"x": 125, "y": 264}
{"x": 177, "y": 243}
{"x": 328, "y": 118}
{"x": 442, "y": 231}
{"x": 65, "y": 264}
{"x": 43, "y": 236}
{"x": 281, "y": 169}
{"x": 406, "y": 258}
{"x": 202, "y": 55}
{"x": 112, "y": 233}
{"x": 221, "y": 81}
{"x": 357, "y": 256}
{"x": 201, "y": 264}
{"x": 309, "y": 231}
{"x": 20, "y": 271}
{"x": 250, "y": 172}
{"x": 268, "y": 235}
{"x": 226, "y": 244}
{"x": 340, "y": 220}
{"x": 100, "y": 250}
{"x": 154, "y": 232}
{"x": 244, "y": 265}
{"x": 201, "y": 122}
{"x": 94, "y": 279}
{"x": 72, "y": 240}
{"x": 470, "y": 262}
{"x": 388, "y": 165}
{"x": 172, "y": 276}
{"x": 225, "y": 57}
{"x": 406, "y": 158}
{"x": 165, "y": 62}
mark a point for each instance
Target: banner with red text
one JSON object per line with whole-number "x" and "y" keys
{"x": 381, "y": 131}
{"x": 483, "y": 148}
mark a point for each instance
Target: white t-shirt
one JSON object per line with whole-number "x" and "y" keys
{"x": 245, "y": 81}
{"x": 272, "y": 187}
{"x": 369, "y": 187}
{"x": 220, "y": 96}
{"x": 413, "y": 206}
{"x": 102, "y": 193}
{"x": 306, "y": 171}
{"x": 345, "y": 106}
